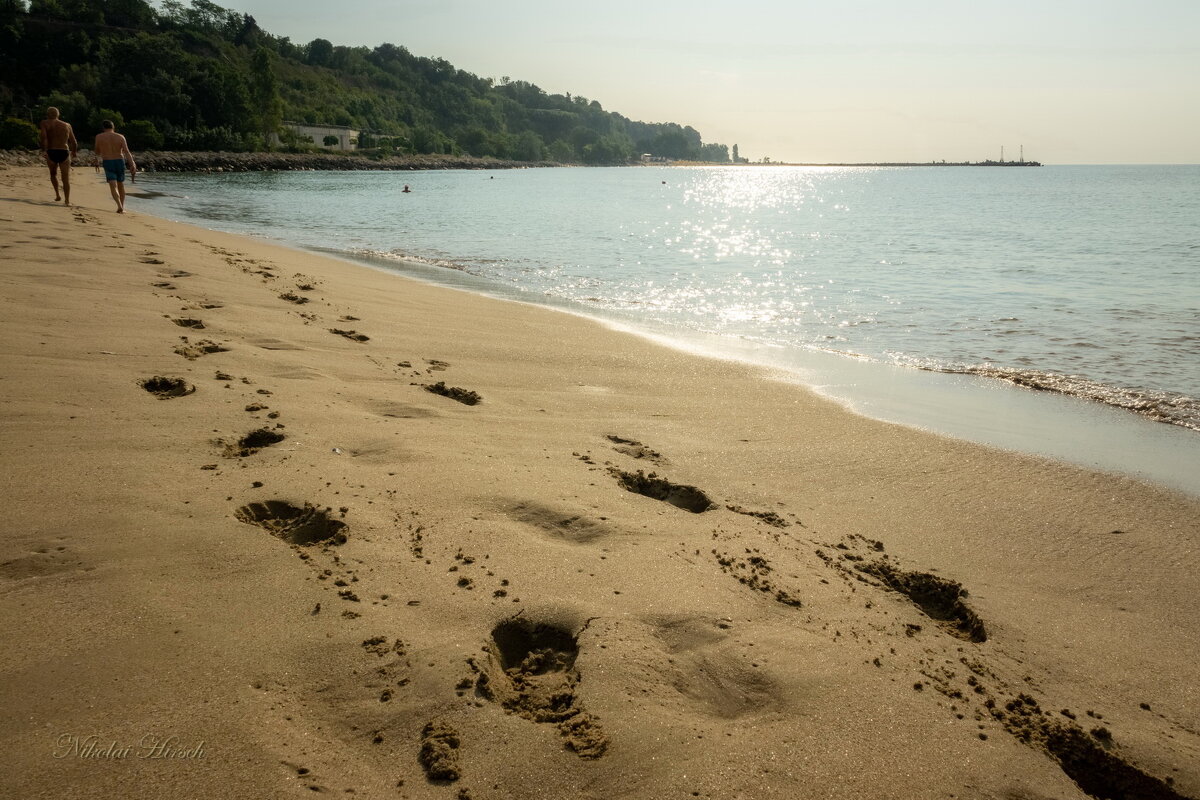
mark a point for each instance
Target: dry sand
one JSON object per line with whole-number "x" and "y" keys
{"x": 388, "y": 593}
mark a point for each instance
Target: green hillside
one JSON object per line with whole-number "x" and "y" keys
{"x": 202, "y": 77}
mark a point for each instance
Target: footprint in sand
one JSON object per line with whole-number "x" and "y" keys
{"x": 940, "y": 599}
{"x": 768, "y": 517}
{"x": 251, "y": 443}
{"x": 193, "y": 350}
{"x": 464, "y": 396}
{"x": 635, "y": 449}
{"x": 353, "y": 336}
{"x": 188, "y": 322}
{"x": 689, "y": 498}
{"x": 399, "y": 410}
{"x": 702, "y": 664}
{"x": 530, "y": 672}
{"x": 560, "y": 525}
{"x": 41, "y": 563}
{"x": 1085, "y": 757}
{"x": 166, "y": 388}
{"x": 302, "y": 525}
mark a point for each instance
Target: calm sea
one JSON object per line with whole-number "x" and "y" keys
{"x": 1080, "y": 281}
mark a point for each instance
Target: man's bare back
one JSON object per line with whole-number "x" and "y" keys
{"x": 111, "y": 144}
{"x": 58, "y": 135}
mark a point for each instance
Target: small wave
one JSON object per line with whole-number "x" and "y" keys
{"x": 1161, "y": 406}
{"x": 396, "y": 255}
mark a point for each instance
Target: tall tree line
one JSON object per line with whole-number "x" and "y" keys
{"x": 197, "y": 76}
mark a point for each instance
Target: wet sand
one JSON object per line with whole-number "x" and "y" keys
{"x": 279, "y": 525}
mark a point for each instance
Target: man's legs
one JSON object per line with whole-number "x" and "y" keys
{"x": 54, "y": 178}
{"x": 66, "y": 181}
{"x": 118, "y": 192}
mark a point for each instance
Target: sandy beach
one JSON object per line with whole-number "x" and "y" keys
{"x": 280, "y": 525}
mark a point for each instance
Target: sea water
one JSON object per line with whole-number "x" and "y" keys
{"x": 1054, "y": 310}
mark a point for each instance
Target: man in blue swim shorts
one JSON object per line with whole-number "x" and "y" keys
{"x": 113, "y": 151}
{"x": 114, "y": 169}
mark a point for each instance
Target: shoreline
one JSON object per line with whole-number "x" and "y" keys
{"x": 992, "y": 412}
{"x": 1076, "y": 429}
{"x": 983, "y": 410}
{"x": 739, "y": 623}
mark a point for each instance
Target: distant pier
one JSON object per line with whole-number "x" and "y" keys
{"x": 909, "y": 164}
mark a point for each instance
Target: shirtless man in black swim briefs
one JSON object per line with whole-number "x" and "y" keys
{"x": 59, "y": 146}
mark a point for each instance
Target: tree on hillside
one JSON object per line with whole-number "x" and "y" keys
{"x": 264, "y": 92}
{"x": 142, "y": 135}
{"x": 529, "y": 147}
{"x": 319, "y": 52}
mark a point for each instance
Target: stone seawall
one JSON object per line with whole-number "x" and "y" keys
{"x": 162, "y": 161}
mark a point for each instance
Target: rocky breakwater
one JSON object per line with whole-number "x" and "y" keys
{"x": 20, "y": 158}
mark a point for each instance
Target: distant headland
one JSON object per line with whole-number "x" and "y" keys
{"x": 767, "y": 162}
{"x": 931, "y": 163}
{"x": 908, "y": 164}
{"x": 852, "y": 164}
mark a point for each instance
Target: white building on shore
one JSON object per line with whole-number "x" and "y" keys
{"x": 347, "y": 138}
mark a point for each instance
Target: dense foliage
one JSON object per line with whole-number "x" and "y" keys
{"x": 202, "y": 77}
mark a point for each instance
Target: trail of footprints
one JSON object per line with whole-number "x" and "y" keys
{"x": 315, "y": 533}
{"x": 527, "y": 667}
{"x": 1088, "y": 756}
{"x": 972, "y": 689}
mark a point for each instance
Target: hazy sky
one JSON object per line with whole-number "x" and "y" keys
{"x": 1074, "y": 81}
